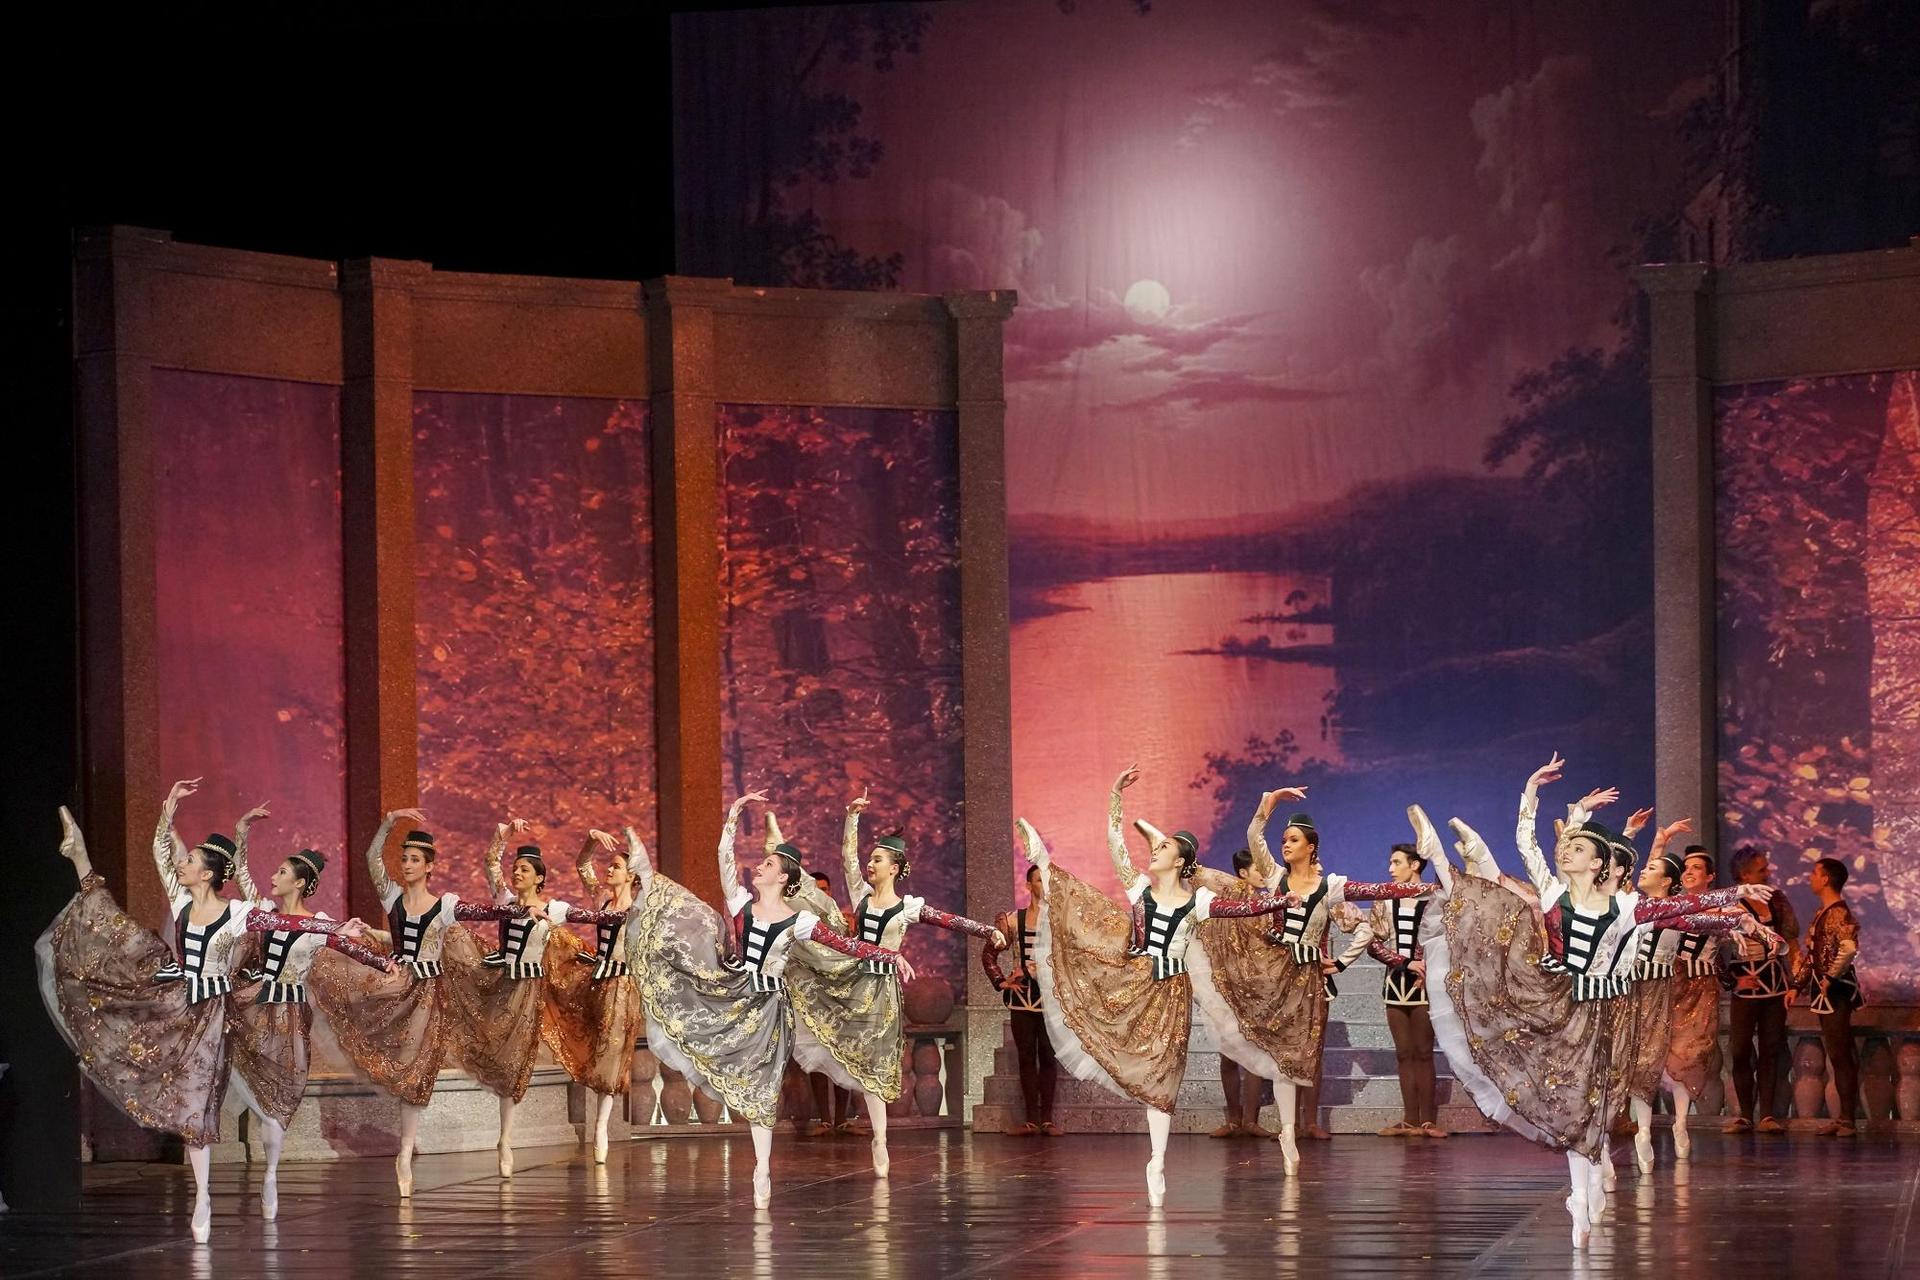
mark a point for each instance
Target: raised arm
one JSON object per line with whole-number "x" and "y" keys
{"x": 1526, "y": 834}
{"x": 242, "y": 872}
{"x": 383, "y": 886}
{"x": 857, "y": 886}
{"x": 730, "y": 889}
{"x": 1266, "y": 872}
{"x": 1117, "y": 830}
{"x": 496, "y": 850}
{"x": 167, "y": 844}
{"x": 583, "y": 861}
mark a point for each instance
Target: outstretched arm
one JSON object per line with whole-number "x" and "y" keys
{"x": 1117, "y": 831}
{"x": 364, "y": 954}
{"x": 1664, "y": 910}
{"x": 960, "y": 924}
{"x": 858, "y": 950}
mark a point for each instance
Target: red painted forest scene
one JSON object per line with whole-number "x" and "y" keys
{"x": 1818, "y": 565}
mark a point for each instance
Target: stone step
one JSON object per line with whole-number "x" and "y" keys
{"x": 1370, "y": 1119}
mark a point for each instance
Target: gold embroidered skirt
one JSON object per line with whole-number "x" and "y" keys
{"x": 591, "y": 1025}
{"x": 158, "y": 1058}
{"x": 1268, "y": 1012}
{"x": 1693, "y": 1032}
{"x": 1546, "y": 1066}
{"x": 395, "y": 1028}
{"x": 497, "y": 1019}
{"x": 1645, "y": 1031}
{"x": 847, "y": 1020}
{"x": 1109, "y": 1021}
{"x": 703, "y": 1017}
{"x": 267, "y": 1042}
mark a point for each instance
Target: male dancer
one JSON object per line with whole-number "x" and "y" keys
{"x": 1020, "y": 992}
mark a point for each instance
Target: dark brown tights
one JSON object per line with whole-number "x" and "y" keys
{"x": 1412, "y": 1030}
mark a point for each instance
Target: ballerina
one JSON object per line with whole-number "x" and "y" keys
{"x": 1652, "y": 997}
{"x": 1530, "y": 1010}
{"x": 270, "y": 1020}
{"x": 593, "y": 1014}
{"x": 719, "y": 1013}
{"x": 850, "y": 1024}
{"x": 504, "y": 1004}
{"x": 1116, "y": 986}
{"x": 1301, "y": 936}
{"x": 150, "y": 1024}
{"x": 398, "y": 1031}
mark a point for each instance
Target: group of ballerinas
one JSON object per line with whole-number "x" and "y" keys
{"x": 164, "y": 1031}
{"x": 1561, "y": 999}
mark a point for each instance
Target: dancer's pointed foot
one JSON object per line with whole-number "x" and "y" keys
{"x": 403, "y": 1173}
{"x": 506, "y": 1160}
{"x": 1582, "y": 1223}
{"x": 1156, "y": 1181}
{"x": 202, "y": 1223}
{"x": 600, "y": 1151}
{"x": 1643, "y": 1151}
{"x": 1682, "y": 1142}
{"x": 1597, "y": 1191}
{"x": 270, "y": 1197}
{"x": 1290, "y": 1149}
{"x": 762, "y": 1189}
{"x": 881, "y": 1161}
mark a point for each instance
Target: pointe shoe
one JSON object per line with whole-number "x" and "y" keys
{"x": 202, "y": 1223}
{"x": 762, "y": 1189}
{"x": 1597, "y": 1194}
{"x": 506, "y": 1160}
{"x": 270, "y": 1198}
{"x": 1582, "y": 1222}
{"x": 403, "y": 1174}
{"x": 1682, "y": 1143}
{"x": 599, "y": 1150}
{"x": 881, "y": 1161}
{"x": 1290, "y": 1149}
{"x": 1609, "y": 1179}
{"x": 1643, "y": 1151}
{"x": 1156, "y": 1181}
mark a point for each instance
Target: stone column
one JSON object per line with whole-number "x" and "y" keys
{"x": 376, "y": 510}
{"x": 1685, "y": 744}
{"x": 986, "y": 682}
{"x": 686, "y": 575}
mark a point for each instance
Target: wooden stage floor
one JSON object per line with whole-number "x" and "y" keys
{"x": 986, "y": 1206}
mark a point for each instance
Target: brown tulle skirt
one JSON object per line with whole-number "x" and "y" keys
{"x": 394, "y": 1027}
{"x": 497, "y": 1021}
{"x": 1280, "y": 1004}
{"x": 1551, "y": 1068}
{"x": 158, "y": 1058}
{"x": 1693, "y": 1031}
{"x": 1109, "y": 1021}
{"x": 1645, "y": 1031}
{"x": 268, "y": 1043}
{"x": 591, "y": 1025}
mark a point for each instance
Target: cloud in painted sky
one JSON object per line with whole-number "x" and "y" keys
{"x": 979, "y": 241}
{"x": 1048, "y": 334}
{"x": 1198, "y": 389}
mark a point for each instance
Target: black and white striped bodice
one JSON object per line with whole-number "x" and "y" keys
{"x": 609, "y": 957}
{"x": 517, "y": 953}
{"x": 1166, "y": 933}
{"x": 1298, "y": 929}
{"x": 410, "y": 938}
{"x": 196, "y": 944}
{"x": 761, "y": 944}
{"x": 1582, "y": 939}
{"x": 1406, "y": 924}
{"x": 1403, "y": 987}
{"x": 871, "y": 927}
{"x": 279, "y": 986}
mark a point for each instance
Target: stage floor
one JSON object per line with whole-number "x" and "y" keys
{"x": 993, "y": 1206}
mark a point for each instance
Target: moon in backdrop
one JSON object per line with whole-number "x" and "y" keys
{"x": 1147, "y": 300}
